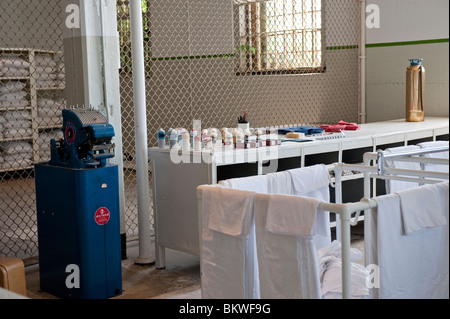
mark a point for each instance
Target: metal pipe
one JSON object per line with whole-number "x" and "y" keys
{"x": 338, "y": 197}
{"x": 417, "y": 152}
{"x": 362, "y": 63}
{"x": 140, "y": 118}
{"x": 345, "y": 246}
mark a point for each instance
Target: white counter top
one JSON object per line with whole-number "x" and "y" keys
{"x": 369, "y": 135}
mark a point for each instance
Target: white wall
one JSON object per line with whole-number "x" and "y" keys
{"x": 410, "y": 20}
{"x": 390, "y": 47}
{"x": 28, "y": 24}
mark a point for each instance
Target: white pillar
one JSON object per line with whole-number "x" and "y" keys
{"x": 140, "y": 118}
{"x": 91, "y": 54}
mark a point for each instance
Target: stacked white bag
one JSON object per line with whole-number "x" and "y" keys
{"x": 49, "y": 111}
{"x": 60, "y": 73}
{"x": 14, "y": 66}
{"x": 16, "y": 154}
{"x": 2, "y": 126}
{"x": 49, "y": 73}
{"x": 44, "y": 143}
{"x": 13, "y": 94}
{"x": 16, "y": 124}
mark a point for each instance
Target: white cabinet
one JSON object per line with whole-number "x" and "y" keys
{"x": 32, "y": 84}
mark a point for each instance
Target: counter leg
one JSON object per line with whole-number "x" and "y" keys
{"x": 160, "y": 257}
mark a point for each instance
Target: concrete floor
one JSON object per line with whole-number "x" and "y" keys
{"x": 179, "y": 280}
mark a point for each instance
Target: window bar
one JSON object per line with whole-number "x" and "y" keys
{"x": 303, "y": 34}
{"x": 255, "y": 43}
{"x": 275, "y": 21}
{"x": 248, "y": 35}
{"x": 294, "y": 64}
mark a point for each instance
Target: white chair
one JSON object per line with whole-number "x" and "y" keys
{"x": 227, "y": 256}
{"x": 287, "y": 260}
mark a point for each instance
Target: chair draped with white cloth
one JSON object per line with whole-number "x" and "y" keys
{"x": 268, "y": 237}
{"x": 409, "y": 243}
{"x": 260, "y": 238}
{"x": 227, "y": 244}
{"x": 445, "y": 154}
{"x": 393, "y": 186}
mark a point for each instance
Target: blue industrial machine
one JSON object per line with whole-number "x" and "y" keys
{"x": 77, "y": 199}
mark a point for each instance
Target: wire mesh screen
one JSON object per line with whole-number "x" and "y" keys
{"x": 32, "y": 95}
{"x": 284, "y": 62}
{"x": 31, "y": 99}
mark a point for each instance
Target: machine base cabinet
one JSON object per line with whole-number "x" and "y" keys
{"x": 79, "y": 231}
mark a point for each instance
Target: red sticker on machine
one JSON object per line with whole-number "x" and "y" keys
{"x": 102, "y": 216}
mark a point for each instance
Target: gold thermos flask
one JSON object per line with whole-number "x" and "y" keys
{"x": 415, "y": 91}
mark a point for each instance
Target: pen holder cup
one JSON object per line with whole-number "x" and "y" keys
{"x": 244, "y": 126}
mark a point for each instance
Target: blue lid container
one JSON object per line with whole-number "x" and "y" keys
{"x": 415, "y": 61}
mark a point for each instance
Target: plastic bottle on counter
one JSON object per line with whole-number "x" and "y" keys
{"x": 223, "y": 131}
{"x": 228, "y": 140}
{"x": 193, "y": 135}
{"x": 204, "y": 133}
{"x": 180, "y": 132}
{"x": 197, "y": 143}
{"x": 214, "y": 138}
{"x": 206, "y": 141}
{"x": 186, "y": 141}
{"x": 161, "y": 139}
{"x": 173, "y": 139}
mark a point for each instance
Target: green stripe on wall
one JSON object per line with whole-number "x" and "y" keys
{"x": 229, "y": 55}
{"x": 331, "y": 48}
{"x": 391, "y": 44}
{"x": 193, "y": 57}
{"x": 342, "y": 47}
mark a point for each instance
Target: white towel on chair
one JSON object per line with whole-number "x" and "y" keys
{"x": 393, "y": 185}
{"x": 445, "y": 154}
{"x": 230, "y": 210}
{"x": 287, "y": 264}
{"x": 291, "y": 215}
{"x": 309, "y": 179}
{"x": 414, "y": 266}
{"x": 256, "y": 183}
{"x": 423, "y": 207}
{"x": 313, "y": 182}
{"x": 227, "y": 262}
{"x": 280, "y": 183}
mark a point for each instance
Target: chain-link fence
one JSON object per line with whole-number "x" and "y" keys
{"x": 283, "y": 62}
{"x": 31, "y": 98}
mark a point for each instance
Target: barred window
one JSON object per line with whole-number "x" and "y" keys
{"x": 279, "y": 36}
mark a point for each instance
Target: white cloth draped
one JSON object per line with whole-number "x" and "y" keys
{"x": 414, "y": 265}
{"x": 227, "y": 251}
